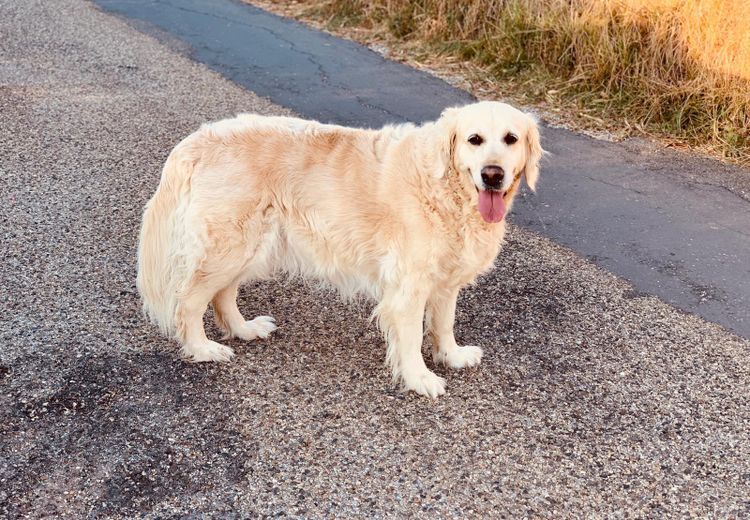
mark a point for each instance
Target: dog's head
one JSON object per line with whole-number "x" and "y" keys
{"x": 491, "y": 145}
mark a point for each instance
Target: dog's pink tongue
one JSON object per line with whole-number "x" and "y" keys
{"x": 491, "y": 205}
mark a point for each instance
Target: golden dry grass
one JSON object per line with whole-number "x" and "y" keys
{"x": 679, "y": 69}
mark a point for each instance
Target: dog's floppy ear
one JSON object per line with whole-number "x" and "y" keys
{"x": 445, "y": 138}
{"x": 534, "y": 153}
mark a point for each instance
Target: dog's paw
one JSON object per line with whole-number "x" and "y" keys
{"x": 459, "y": 357}
{"x": 424, "y": 382}
{"x": 259, "y": 327}
{"x": 207, "y": 351}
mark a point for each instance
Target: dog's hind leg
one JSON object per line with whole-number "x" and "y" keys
{"x": 221, "y": 268}
{"x": 229, "y": 317}
{"x": 191, "y": 307}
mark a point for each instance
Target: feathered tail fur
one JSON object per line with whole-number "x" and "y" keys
{"x": 161, "y": 263}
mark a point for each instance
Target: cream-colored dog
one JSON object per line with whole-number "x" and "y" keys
{"x": 405, "y": 215}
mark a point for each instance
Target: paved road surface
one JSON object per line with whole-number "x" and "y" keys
{"x": 593, "y": 399}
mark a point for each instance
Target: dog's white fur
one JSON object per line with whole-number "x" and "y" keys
{"x": 388, "y": 213}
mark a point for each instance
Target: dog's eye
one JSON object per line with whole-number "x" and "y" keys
{"x": 510, "y": 139}
{"x": 475, "y": 139}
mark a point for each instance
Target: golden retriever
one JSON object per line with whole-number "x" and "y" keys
{"x": 406, "y": 215}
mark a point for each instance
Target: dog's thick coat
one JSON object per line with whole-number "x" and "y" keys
{"x": 391, "y": 213}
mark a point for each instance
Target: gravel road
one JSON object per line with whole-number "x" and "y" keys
{"x": 592, "y": 399}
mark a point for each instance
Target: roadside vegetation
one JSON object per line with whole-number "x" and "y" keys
{"x": 678, "y": 70}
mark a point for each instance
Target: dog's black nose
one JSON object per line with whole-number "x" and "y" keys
{"x": 492, "y": 176}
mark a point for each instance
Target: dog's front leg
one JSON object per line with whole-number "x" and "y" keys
{"x": 441, "y": 313}
{"x": 400, "y": 314}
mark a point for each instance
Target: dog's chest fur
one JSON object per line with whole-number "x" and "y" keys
{"x": 469, "y": 246}
{"x": 471, "y": 255}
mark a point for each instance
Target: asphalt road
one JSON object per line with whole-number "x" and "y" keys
{"x": 593, "y": 399}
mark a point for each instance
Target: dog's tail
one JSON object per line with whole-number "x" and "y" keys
{"x": 164, "y": 237}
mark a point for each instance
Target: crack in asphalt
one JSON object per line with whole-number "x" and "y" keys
{"x": 311, "y": 58}
{"x": 647, "y": 195}
{"x": 292, "y": 45}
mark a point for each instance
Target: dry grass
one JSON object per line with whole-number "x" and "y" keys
{"x": 678, "y": 69}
